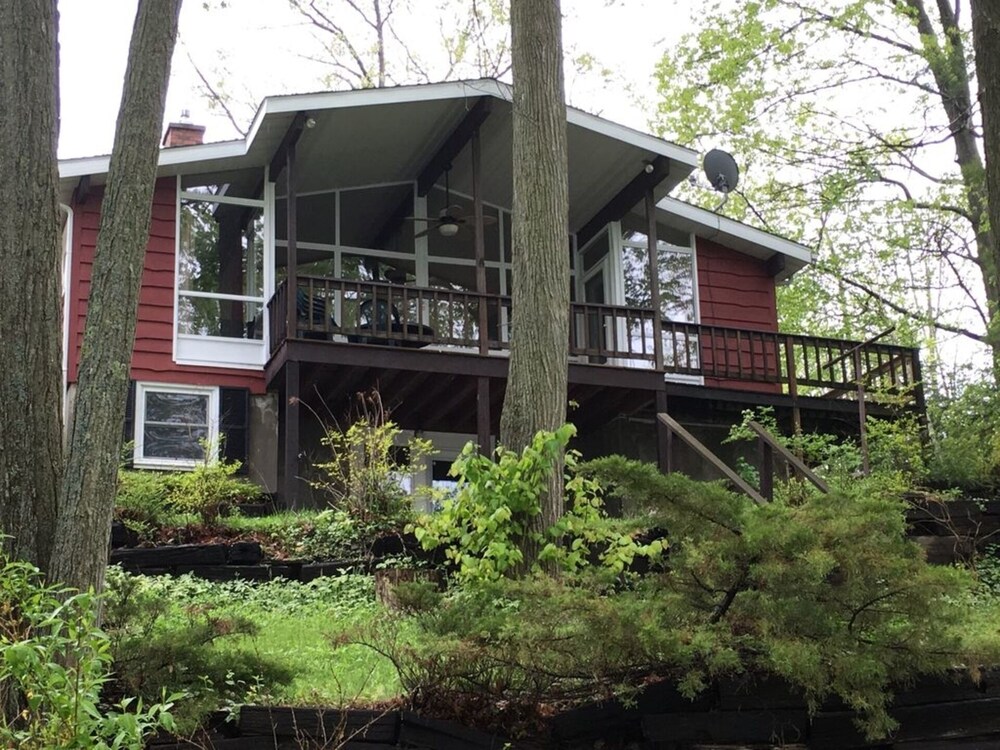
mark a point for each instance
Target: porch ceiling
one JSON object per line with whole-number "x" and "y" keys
{"x": 389, "y": 135}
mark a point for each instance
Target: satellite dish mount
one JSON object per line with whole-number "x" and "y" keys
{"x": 722, "y": 172}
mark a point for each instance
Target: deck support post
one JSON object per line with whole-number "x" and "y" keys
{"x": 664, "y": 437}
{"x": 483, "y": 417}
{"x": 654, "y": 280}
{"x": 862, "y": 413}
{"x": 291, "y": 441}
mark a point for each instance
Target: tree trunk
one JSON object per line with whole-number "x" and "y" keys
{"x": 87, "y": 502}
{"x": 536, "y": 386}
{"x": 986, "y": 43}
{"x": 946, "y": 59}
{"x": 30, "y": 309}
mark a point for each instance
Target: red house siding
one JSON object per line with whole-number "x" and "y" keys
{"x": 735, "y": 291}
{"x": 152, "y": 355}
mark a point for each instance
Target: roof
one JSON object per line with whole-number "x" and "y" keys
{"x": 734, "y": 234}
{"x": 373, "y": 136}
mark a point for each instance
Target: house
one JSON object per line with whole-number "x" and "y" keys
{"x": 362, "y": 239}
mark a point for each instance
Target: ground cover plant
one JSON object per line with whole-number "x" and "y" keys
{"x": 225, "y": 643}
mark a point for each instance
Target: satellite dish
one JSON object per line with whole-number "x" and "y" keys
{"x": 721, "y": 170}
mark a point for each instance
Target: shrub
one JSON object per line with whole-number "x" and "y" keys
{"x": 821, "y": 590}
{"x": 485, "y": 523}
{"x": 966, "y": 438}
{"x": 141, "y": 501}
{"x": 365, "y": 475}
{"x": 54, "y": 663}
{"x": 210, "y": 488}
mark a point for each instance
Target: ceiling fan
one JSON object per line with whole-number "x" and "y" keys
{"x": 450, "y": 220}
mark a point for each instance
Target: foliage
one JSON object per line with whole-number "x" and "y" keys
{"x": 895, "y": 449}
{"x": 148, "y": 500}
{"x": 965, "y": 438}
{"x": 890, "y": 198}
{"x": 155, "y": 649}
{"x": 54, "y": 663}
{"x": 364, "y": 476}
{"x": 821, "y": 590}
{"x": 210, "y": 487}
{"x": 291, "y": 622}
{"x": 482, "y": 526}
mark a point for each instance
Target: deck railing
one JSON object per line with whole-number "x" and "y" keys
{"x": 379, "y": 313}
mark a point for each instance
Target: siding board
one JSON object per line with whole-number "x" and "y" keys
{"x": 152, "y": 354}
{"x": 735, "y": 290}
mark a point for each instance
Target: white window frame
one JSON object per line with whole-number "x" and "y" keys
{"x": 139, "y": 460}
{"x": 222, "y": 351}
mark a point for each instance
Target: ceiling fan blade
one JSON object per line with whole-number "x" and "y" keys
{"x": 423, "y": 233}
{"x": 418, "y": 218}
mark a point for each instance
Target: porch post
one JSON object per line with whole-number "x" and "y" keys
{"x": 291, "y": 443}
{"x": 664, "y": 437}
{"x": 654, "y": 281}
{"x": 483, "y": 415}
{"x": 291, "y": 278}
{"x": 477, "y": 208}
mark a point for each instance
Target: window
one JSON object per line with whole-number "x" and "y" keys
{"x": 173, "y": 424}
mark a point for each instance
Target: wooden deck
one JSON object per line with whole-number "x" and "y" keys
{"x": 364, "y": 322}
{"x": 439, "y": 359}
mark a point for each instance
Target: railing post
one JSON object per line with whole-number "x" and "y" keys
{"x": 862, "y": 413}
{"x": 766, "y": 468}
{"x": 654, "y": 281}
{"x": 919, "y": 398}
{"x": 793, "y": 387}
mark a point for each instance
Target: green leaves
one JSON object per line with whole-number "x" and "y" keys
{"x": 485, "y": 524}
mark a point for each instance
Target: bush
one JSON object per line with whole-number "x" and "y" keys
{"x": 149, "y": 500}
{"x": 821, "y": 590}
{"x": 484, "y": 526}
{"x": 966, "y": 438}
{"x": 364, "y": 477}
{"x": 53, "y": 664}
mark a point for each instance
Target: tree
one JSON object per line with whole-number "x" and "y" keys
{"x": 986, "y": 41}
{"x": 87, "y": 501}
{"x": 855, "y": 123}
{"x": 61, "y": 521}
{"x": 537, "y": 382}
{"x": 30, "y": 379}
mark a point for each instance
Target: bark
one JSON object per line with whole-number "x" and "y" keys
{"x": 946, "y": 58}
{"x": 536, "y": 386}
{"x": 30, "y": 252}
{"x": 81, "y": 549}
{"x": 986, "y": 43}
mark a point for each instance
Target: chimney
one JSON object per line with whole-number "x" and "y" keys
{"x": 183, "y": 132}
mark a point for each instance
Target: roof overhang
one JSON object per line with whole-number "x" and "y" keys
{"x": 785, "y": 256}
{"x": 374, "y": 136}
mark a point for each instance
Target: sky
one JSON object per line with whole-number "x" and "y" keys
{"x": 260, "y": 46}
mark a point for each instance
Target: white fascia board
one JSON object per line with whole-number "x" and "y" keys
{"x": 91, "y": 165}
{"x": 723, "y": 227}
{"x": 679, "y": 154}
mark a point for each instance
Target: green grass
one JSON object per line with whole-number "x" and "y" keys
{"x": 296, "y": 622}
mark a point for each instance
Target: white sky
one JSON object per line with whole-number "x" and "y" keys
{"x": 260, "y": 41}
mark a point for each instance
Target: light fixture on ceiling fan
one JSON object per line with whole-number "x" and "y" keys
{"x": 449, "y": 221}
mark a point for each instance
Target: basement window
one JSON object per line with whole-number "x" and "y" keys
{"x": 175, "y": 425}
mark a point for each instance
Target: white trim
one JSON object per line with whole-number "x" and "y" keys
{"x": 67, "y": 277}
{"x": 212, "y": 198}
{"x": 724, "y": 228}
{"x": 219, "y": 351}
{"x": 332, "y": 100}
{"x": 220, "y": 296}
{"x": 139, "y": 420}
